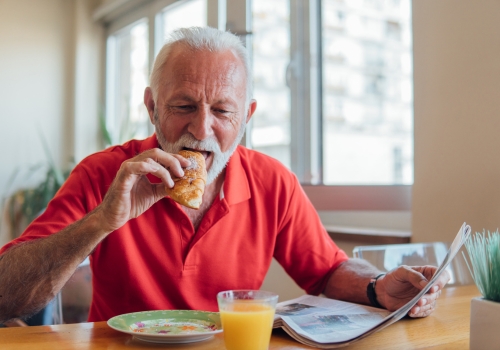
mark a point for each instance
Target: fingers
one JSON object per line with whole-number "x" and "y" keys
{"x": 146, "y": 166}
{"x": 422, "y": 311}
{"x": 428, "y": 272}
{"x": 410, "y": 274}
{"x": 425, "y": 306}
{"x": 406, "y": 282}
{"x": 183, "y": 161}
{"x": 419, "y": 277}
{"x": 162, "y": 173}
{"x": 160, "y": 190}
{"x": 428, "y": 298}
{"x": 442, "y": 280}
{"x": 163, "y": 165}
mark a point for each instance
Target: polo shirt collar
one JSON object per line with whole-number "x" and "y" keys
{"x": 235, "y": 189}
{"x": 149, "y": 143}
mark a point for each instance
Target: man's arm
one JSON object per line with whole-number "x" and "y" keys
{"x": 393, "y": 290}
{"x": 32, "y": 273}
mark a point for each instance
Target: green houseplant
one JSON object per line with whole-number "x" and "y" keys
{"x": 484, "y": 255}
{"x": 22, "y": 206}
{"x": 25, "y": 204}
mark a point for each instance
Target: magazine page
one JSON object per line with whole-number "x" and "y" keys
{"x": 328, "y": 323}
{"x": 462, "y": 235}
{"x": 327, "y": 320}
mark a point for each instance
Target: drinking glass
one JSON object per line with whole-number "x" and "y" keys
{"x": 247, "y": 318}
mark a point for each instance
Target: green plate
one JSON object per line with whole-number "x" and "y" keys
{"x": 168, "y": 326}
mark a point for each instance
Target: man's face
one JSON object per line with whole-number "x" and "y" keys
{"x": 201, "y": 105}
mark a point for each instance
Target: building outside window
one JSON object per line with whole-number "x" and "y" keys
{"x": 367, "y": 92}
{"x": 127, "y": 77}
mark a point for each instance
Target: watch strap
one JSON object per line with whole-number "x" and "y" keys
{"x": 370, "y": 291}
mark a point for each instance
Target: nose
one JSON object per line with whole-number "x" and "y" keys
{"x": 201, "y": 124}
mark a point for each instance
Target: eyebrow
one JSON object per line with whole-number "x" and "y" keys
{"x": 181, "y": 96}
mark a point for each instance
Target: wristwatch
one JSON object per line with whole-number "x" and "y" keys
{"x": 370, "y": 291}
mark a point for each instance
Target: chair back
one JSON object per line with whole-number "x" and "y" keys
{"x": 70, "y": 305}
{"x": 388, "y": 257}
{"x": 76, "y": 295}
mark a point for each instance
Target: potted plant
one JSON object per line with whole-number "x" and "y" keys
{"x": 484, "y": 254}
{"x": 25, "y": 204}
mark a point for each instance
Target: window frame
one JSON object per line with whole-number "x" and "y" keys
{"x": 304, "y": 77}
{"x": 304, "y": 74}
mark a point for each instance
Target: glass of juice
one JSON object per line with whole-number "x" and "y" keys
{"x": 247, "y": 318}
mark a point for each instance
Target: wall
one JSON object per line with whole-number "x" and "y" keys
{"x": 89, "y": 86}
{"x": 36, "y": 62}
{"x": 457, "y": 117}
{"x": 43, "y": 46}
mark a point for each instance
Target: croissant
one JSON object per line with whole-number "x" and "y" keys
{"x": 188, "y": 190}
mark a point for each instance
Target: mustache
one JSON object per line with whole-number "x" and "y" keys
{"x": 189, "y": 141}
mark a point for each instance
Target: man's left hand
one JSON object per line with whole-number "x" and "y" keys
{"x": 400, "y": 285}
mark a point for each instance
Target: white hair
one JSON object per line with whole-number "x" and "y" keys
{"x": 201, "y": 38}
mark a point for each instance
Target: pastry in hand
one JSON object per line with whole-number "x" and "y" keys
{"x": 188, "y": 190}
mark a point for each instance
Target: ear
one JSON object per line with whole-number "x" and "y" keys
{"x": 150, "y": 103}
{"x": 251, "y": 109}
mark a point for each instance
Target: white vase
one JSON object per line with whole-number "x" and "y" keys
{"x": 484, "y": 324}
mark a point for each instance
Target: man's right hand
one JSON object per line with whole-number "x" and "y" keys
{"x": 131, "y": 193}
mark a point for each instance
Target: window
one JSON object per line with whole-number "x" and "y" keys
{"x": 332, "y": 78}
{"x": 270, "y": 129}
{"x": 130, "y": 46}
{"x": 356, "y": 128}
{"x": 348, "y": 124}
{"x": 367, "y": 98}
{"x": 183, "y": 14}
{"x": 127, "y": 77}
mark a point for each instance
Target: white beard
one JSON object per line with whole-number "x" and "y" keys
{"x": 220, "y": 159}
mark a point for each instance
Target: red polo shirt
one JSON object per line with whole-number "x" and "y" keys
{"x": 158, "y": 261}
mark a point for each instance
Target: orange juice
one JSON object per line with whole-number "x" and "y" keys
{"x": 247, "y": 326}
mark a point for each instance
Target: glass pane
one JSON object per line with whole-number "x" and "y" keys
{"x": 270, "y": 131}
{"x": 367, "y": 92}
{"x": 127, "y": 66}
{"x": 189, "y": 13}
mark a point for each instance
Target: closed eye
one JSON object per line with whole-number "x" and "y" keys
{"x": 183, "y": 108}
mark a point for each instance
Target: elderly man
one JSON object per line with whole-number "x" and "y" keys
{"x": 147, "y": 251}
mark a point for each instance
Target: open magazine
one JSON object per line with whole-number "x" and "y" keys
{"x": 327, "y": 323}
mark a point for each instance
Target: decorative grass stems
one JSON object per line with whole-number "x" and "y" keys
{"x": 484, "y": 255}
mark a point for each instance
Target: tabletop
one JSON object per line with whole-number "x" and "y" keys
{"x": 447, "y": 327}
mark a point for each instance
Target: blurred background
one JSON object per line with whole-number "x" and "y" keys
{"x": 387, "y": 110}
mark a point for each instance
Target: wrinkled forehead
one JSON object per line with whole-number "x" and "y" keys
{"x": 223, "y": 69}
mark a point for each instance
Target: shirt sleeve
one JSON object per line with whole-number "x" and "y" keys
{"x": 303, "y": 247}
{"x": 70, "y": 204}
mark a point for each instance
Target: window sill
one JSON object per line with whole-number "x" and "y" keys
{"x": 368, "y": 235}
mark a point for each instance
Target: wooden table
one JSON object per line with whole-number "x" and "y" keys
{"x": 446, "y": 328}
